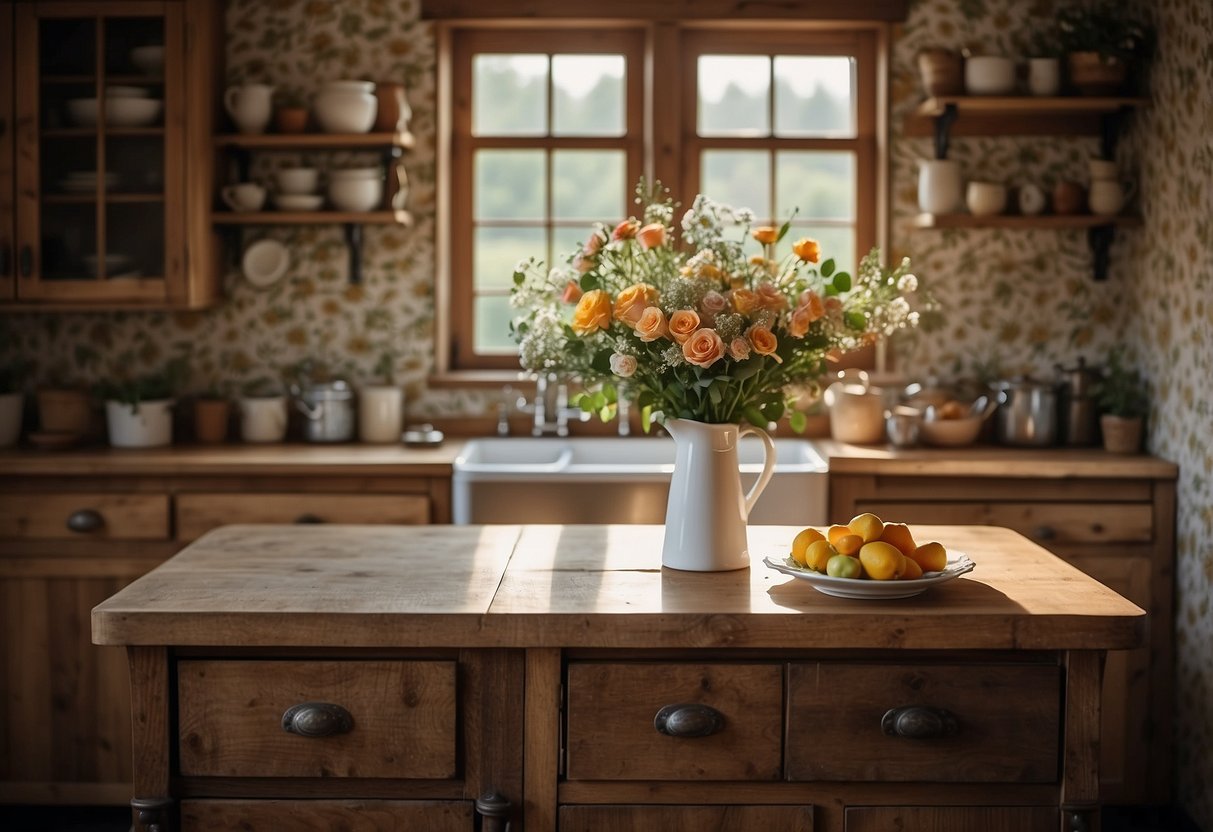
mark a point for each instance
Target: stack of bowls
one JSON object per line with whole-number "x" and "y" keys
{"x": 297, "y": 189}
{"x": 124, "y": 107}
{"x": 346, "y": 107}
{"x": 356, "y": 189}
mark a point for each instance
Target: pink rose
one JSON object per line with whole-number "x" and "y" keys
{"x": 703, "y": 348}
{"x": 739, "y": 349}
{"x": 713, "y": 304}
{"x": 623, "y": 366}
{"x": 770, "y": 297}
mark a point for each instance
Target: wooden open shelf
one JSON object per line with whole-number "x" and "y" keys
{"x": 312, "y": 217}
{"x": 1053, "y": 222}
{"x": 316, "y": 141}
{"x": 998, "y": 115}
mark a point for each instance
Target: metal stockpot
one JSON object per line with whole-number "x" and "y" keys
{"x": 1027, "y": 412}
{"x": 1079, "y": 421}
{"x": 328, "y": 409}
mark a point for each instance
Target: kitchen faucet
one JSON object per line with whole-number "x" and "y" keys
{"x": 550, "y": 407}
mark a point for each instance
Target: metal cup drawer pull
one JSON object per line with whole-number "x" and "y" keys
{"x": 317, "y": 719}
{"x": 916, "y": 722}
{"x": 85, "y": 520}
{"x": 688, "y": 720}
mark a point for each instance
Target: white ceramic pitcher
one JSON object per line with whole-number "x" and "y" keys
{"x": 706, "y": 514}
{"x": 250, "y": 106}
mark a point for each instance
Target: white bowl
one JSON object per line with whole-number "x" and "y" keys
{"x": 149, "y": 59}
{"x": 298, "y": 202}
{"x": 297, "y": 180}
{"x": 950, "y": 433}
{"x": 362, "y": 87}
{"x": 265, "y": 262}
{"x": 127, "y": 92}
{"x": 989, "y": 75}
{"x": 338, "y": 111}
{"x": 119, "y": 112}
{"x": 343, "y": 174}
{"x": 985, "y": 199}
{"x": 356, "y": 194}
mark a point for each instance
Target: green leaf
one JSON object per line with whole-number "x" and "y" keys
{"x": 842, "y": 282}
{"x": 830, "y": 291}
{"x": 773, "y": 411}
{"x": 646, "y": 418}
{"x": 519, "y": 278}
{"x": 798, "y": 421}
{"x": 714, "y": 394}
{"x": 589, "y": 282}
{"x": 783, "y": 230}
{"x": 754, "y": 416}
{"x": 827, "y": 268}
{"x": 857, "y": 320}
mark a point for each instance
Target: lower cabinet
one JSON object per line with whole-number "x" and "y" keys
{"x": 328, "y": 815}
{"x": 685, "y": 818}
{"x": 952, "y": 819}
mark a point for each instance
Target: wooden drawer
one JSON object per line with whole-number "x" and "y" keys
{"x": 611, "y": 711}
{"x": 403, "y": 718}
{"x": 1046, "y": 523}
{"x": 685, "y": 818}
{"x": 959, "y": 818}
{"x": 325, "y": 815}
{"x": 199, "y": 513}
{"x": 1006, "y": 722}
{"x": 85, "y": 516}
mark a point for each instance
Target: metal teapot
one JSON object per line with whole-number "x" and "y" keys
{"x": 328, "y": 408}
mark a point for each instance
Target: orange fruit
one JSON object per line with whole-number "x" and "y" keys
{"x": 818, "y": 555}
{"x": 899, "y": 535}
{"x": 932, "y": 557}
{"x": 835, "y": 532}
{"x": 868, "y": 526}
{"x": 881, "y": 561}
{"x": 801, "y": 544}
{"x": 910, "y": 570}
{"x": 848, "y": 544}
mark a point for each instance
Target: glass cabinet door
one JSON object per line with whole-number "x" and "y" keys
{"x": 8, "y": 250}
{"x": 99, "y": 197}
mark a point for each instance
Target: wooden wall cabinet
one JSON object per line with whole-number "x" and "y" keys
{"x": 1119, "y": 530}
{"x": 108, "y": 202}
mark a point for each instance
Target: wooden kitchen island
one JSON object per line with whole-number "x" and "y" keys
{"x": 406, "y": 678}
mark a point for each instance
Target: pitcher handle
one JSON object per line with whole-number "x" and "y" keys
{"x": 768, "y": 464}
{"x": 230, "y": 95}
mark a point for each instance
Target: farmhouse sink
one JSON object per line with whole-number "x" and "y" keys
{"x": 617, "y": 480}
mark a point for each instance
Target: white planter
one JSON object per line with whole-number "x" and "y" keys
{"x": 146, "y": 425}
{"x": 380, "y": 414}
{"x": 263, "y": 419}
{"x": 10, "y": 418}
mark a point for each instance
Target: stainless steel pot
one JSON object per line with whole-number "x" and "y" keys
{"x": 1027, "y": 412}
{"x": 328, "y": 409}
{"x": 1079, "y": 422}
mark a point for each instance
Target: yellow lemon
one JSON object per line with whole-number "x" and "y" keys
{"x": 910, "y": 570}
{"x": 819, "y": 554}
{"x": 848, "y": 544}
{"x": 881, "y": 561}
{"x": 932, "y": 557}
{"x": 868, "y": 526}
{"x": 844, "y": 566}
{"x": 801, "y": 544}
{"x": 899, "y": 535}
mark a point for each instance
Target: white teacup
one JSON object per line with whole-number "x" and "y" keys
{"x": 986, "y": 198}
{"x": 297, "y": 180}
{"x": 243, "y": 196}
{"x": 263, "y": 419}
{"x": 1106, "y": 198}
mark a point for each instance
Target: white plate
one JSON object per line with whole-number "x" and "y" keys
{"x": 265, "y": 262}
{"x": 958, "y": 564}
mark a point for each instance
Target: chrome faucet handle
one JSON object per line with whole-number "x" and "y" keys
{"x": 622, "y": 413}
{"x": 503, "y": 411}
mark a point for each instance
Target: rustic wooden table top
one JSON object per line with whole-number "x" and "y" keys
{"x": 587, "y": 586}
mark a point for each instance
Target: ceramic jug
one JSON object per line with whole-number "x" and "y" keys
{"x": 250, "y": 107}
{"x": 940, "y": 186}
{"x": 856, "y": 409}
{"x": 706, "y": 513}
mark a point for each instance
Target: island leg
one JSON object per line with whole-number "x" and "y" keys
{"x": 1080, "y": 763}
{"x": 152, "y": 808}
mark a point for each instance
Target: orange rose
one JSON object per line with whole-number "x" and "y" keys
{"x": 632, "y": 302}
{"x": 651, "y": 236}
{"x": 765, "y": 234}
{"x": 572, "y": 292}
{"x": 593, "y": 312}
{"x": 763, "y": 341}
{"x": 652, "y": 325}
{"x": 745, "y": 301}
{"x": 626, "y": 230}
{"x": 770, "y": 297}
{"x": 703, "y": 348}
{"x": 807, "y": 250}
{"x": 683, "y": 323}
{"x": 593, "y": 245}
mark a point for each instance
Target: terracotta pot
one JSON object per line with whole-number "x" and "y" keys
{"x": 291, "y": 119}
{"x": 64, "y": 411}
{"x": 1093, "y": 74}
{"x": 942, "y": 71}
{"x": 211, "y": 420}
{"x": 1121, "y": 435}
{"x": 1069, "y": 198}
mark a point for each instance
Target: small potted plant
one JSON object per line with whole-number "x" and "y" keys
{"x": 1123, "y": 401}
{"x": 138, "y": 411}
{"x": 292, "y": 114}
{"x": 1101, "y": 41}
{"x": 212, "y": 410}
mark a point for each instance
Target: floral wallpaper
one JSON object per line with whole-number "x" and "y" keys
{"x": 1014, "y": 301}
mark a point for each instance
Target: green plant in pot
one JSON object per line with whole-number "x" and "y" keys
{"x": 1123, "y": 400}
{"x": 1102, "y": 42}
{"x": 138, "y": 410}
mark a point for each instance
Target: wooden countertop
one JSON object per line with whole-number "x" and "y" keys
{"x": 587, "y": 586}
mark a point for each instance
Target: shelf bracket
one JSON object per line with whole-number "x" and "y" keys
{"x": 1100, "y": 239}
{"x": 353, "y": 240}
{"x": 1110, "y": 125}
{"x": 943, "y": 128}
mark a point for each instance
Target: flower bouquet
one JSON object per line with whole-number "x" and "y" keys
{"x": 705, "y": 331}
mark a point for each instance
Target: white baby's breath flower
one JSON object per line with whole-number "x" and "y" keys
{"x": 908, "y": 284}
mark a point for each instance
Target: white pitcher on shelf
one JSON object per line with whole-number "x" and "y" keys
{"x": 250, "y": 107}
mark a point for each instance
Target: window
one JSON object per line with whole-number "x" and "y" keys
{"x": 550, "y": 128}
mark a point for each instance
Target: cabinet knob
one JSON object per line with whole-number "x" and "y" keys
{"x": 317, "y": 719}
{"x": 308, "y": 519}
{"x": 916, "y": 722}
{"x": 688, "y": 720}
{"x": 85, "y": 520}
{"x": 1044, "y": 533}
{"x": 495, "y": 810}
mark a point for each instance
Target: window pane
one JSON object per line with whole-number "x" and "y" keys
{"x": 814, "y": 96}
{"x": 734, "y": 95}
{"x": 567, "y": 239}
{"x": 740, "y": 178}
{"x": 820, "y": 183}
{"x": 837, "y": 241}
{"x": 509, "y": 185}
{"x": 587, "y": 95}
{"x": 509, "y": 95}
{"x": 588, "y": 185}
{"x": 492, "y": 315}
{"x": 498, "y": 250}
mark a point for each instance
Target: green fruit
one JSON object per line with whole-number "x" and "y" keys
{"x": 843, "y": 566}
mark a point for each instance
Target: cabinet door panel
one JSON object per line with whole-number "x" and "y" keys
{"x": 199, "y": 513}
{"x": 952, "y": 819}
{"x": 685, "y": 818}
{"x": 1045, "y": 522}
{"x": 327, "y": 815}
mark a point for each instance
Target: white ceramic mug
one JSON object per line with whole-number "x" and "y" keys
{"x": 250, "y": 106}
{"x": 940, "y": 186}
{"x": 243, "y": 196}
{"x": 986, "y": 198}
{"x": 263, "y": 419}
{"x": 1107, "y": 197}
{"x": 1044, "y": 76}
{"x": 297, "y": 180}
{"x": 380, "y": 414}
{"x": 989, "y": 75}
